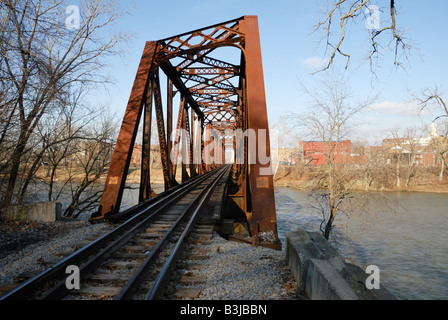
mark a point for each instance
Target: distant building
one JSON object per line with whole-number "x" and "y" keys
{"x": 136, "y": 158}
{"x": 317, "y": 152}
{"x": 415, "y": 151}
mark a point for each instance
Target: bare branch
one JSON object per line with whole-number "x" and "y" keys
{"x": 350, "y": 10}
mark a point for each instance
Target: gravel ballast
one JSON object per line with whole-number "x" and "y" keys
{"x": 28, "y": 248}
{"x": 234, "y": 271}
{"x": 240, "y": 271}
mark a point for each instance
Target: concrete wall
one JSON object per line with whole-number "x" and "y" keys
{"x": 36, "y": 212}
{"x": 323, "y": 274}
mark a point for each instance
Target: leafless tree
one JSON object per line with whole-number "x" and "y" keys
{"x": 88, "y": 164}
{"x": 43, "y": 62}
{"x": 440, "y": 145}
{"x": 432, "y": 99}
{"x": 330, "y": 119}
{"x": 403, "y": 150}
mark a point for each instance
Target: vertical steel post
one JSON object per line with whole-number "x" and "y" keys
{"x": 116, "y": 178}
{"x": 262, "y": 203}
{"x": 169, "y": 127}
{"x": 206, "y": 151}
{"x": 201, "y": 152}
{"x": 190, "y": 133}
{"x": 145, "y": 177}
{"x": 161, "y": 130}
{"x": 185, "y": 147}
{"x": 197, "y": 147}
{"x": 176, "y": 143}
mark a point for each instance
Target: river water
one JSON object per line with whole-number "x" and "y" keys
{"x": 404, "y": 234}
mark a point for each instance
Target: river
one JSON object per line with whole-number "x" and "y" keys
{"x": 404, "y": 234}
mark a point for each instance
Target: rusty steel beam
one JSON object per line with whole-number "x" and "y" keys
{"x": 209, "y": 71}
{"x": 197, "y": 147}
{"x": 167, "y": 177}
{"x": 176, "y": 142}
{"x": 233, "y": 21}
{"x": 213, "y": 82}
{"x": 193, "y": 172}
{"x": 185, "y": 147}
{"x": 145, "y": 191}
{"x": 260, "y": 175}
{"x": 215, "y": 91}
{"x": 169, "y": 127}
{"x": 173, "y": 51}
{"x": 202, "y": 58}
{"x": 116, "y": 178}
{"x": 175, "y": 78}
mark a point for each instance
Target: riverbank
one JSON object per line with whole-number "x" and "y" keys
{"x": 303, "y": 178}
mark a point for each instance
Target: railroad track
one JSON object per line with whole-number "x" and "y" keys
{"x": 135, "y": 260}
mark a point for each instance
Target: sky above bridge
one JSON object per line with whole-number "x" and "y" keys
{"x": 291, "y": 53}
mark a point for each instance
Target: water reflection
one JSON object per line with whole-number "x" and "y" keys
{"x": 404, "y": 234}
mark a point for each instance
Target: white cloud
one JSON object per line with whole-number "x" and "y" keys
{"x": 397, "y": 108}
{"x": 315, "y": 62}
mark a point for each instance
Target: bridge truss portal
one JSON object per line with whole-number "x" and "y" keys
{"x": 222, "y": 117}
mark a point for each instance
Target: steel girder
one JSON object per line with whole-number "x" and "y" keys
{"x": 220, "y": 96}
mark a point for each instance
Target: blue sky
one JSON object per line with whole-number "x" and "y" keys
{"x": 290, "y": 53}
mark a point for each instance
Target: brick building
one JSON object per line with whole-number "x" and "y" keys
{"x": 317, "y": 152}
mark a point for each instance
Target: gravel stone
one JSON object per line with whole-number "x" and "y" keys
{"x": 27, "y": 247}
{"x": 240, "y": 271}
{"x": 234, "y": 271}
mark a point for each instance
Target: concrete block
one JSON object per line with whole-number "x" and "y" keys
{"x": 36, "y": 212}
{"x": 301, "y": 246}
{"x": 323, "y": 274}
{"x": 299, "y": 249}
{"x": 324, "y": 282}
{"x": 357, "y": 277}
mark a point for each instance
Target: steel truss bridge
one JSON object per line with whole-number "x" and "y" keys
{"x": 216, "y": 97}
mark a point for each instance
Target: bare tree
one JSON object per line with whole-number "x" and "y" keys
{"x": 431, "y": 99}
{"x": 88, "y": 164}
{"x": 440, "y": 145}
{"x": 371, "y": 165}
{"x": 345, "y": 12}
{"x": 43, "y": 62}
{"x": 404, "y": 148}
{"x": 330, "y": 120}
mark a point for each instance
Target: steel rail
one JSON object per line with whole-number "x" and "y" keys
{"x": 157, "y": 200}
{"x": 100, "y": 248}
{"x": 132, "y": 285}
{"x": 158, "y": 286}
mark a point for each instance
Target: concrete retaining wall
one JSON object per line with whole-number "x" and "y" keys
{"x": 323, "y": 274}
{"x": 36, "y": 212}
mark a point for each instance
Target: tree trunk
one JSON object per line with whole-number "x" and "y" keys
{"x": 329, "y": 225}
{"x": 333, "y": 212}
{"x": 14, "y": 172}
{"x": 442, "y": 168}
